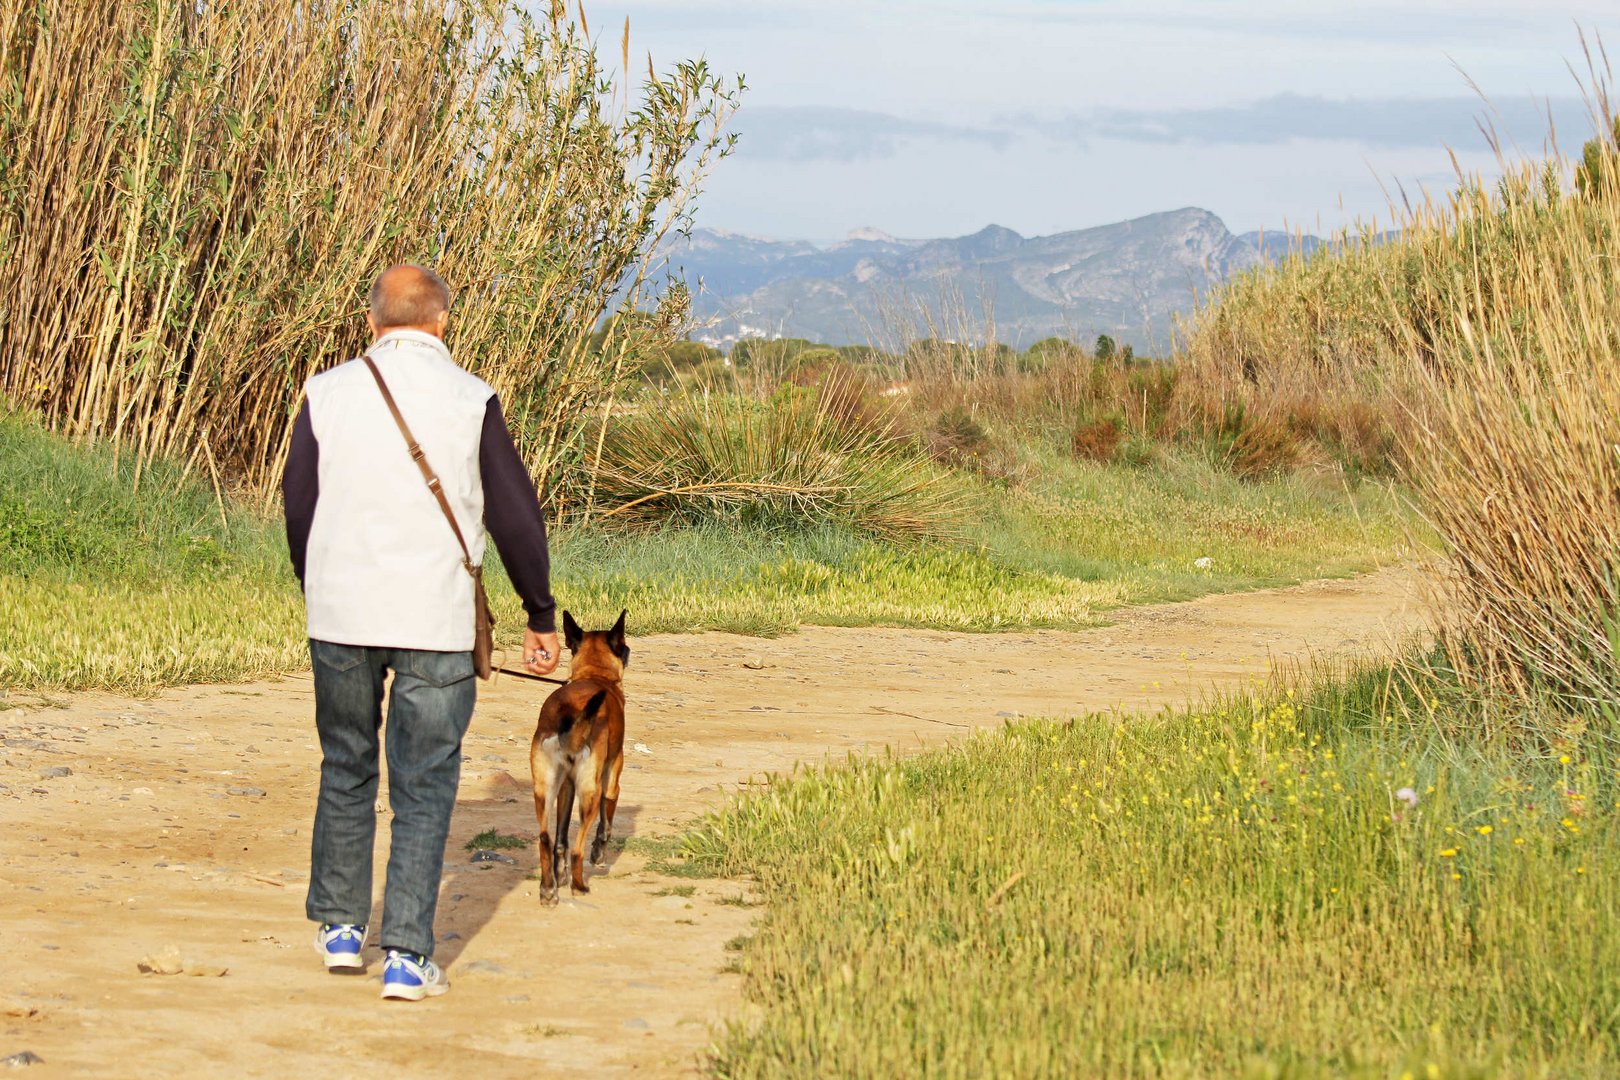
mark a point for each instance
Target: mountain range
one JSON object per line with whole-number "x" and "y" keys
{"x": 1128, "y": 280}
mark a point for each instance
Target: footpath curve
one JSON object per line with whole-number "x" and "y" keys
{"x": 135, "y": 829}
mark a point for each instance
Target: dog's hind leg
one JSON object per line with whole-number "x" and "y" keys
{"x": 589, "y": 803}
{"x": 544, "y": 796}
{"x": 610, "y": 802}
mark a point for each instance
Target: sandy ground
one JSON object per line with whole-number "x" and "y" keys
{"x": 134, "y": 828}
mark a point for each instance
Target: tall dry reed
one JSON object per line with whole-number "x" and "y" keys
{"x": 194, "y": 197}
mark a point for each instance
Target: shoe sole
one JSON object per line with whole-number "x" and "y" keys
{"x": 338, "y": 963}
{"x": 344, "y": 965}
{"x": 400, "y": 992}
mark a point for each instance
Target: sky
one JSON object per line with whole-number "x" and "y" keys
{"x": 927, "y": 118}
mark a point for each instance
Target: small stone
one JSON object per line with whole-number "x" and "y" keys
{"x": 55, "y": 771}
{"x": 496, "y": 758}
{"x": 487, "y": 967}
{"x": 245, "y": 791}
{"x": 754, "y": 663}
{"x": 21, "y": 1059}
{"x": 451, "y": 936}
{"x": 207, "y": 971}
{"x": 1005, "y": 714}
{"x": 141, "y": 791}
{"x": 251, "y": 750}
{"x": 165, "y": 962}
{"x": 482, "y": 855}
{"x": 641, "y": 748}
{"x": 1204, "y": 563}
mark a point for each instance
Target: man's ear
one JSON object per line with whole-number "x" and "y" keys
{"x": 442, "y": 322}
{"x": 371, "y": 324}
{"x": 572, "y": 634}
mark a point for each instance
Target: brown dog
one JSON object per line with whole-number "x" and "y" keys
{"x": 578, "y": 750}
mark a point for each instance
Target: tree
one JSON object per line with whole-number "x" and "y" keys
{"x": 1104, "y": 349}
{"x": 1599, "y": 158}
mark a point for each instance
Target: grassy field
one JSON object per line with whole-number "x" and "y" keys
{"x": 1295, "y": 887}
{"x": 110, "y": 584}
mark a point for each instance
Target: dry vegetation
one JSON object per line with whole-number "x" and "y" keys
{"x": 1481, "y": 345}
{"x": 193, "y": 199}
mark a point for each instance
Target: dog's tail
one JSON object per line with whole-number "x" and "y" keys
{"x": 568, "y": 719}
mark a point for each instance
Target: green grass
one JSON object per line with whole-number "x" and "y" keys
{"x": 111, "y": 585}
{"x": 1145, "y": 528}
{"x": 683, "y": 891}
{"x": 1230, "y": 892}
{"x": 493, "y": 840}
{"x": 109, "y": 581}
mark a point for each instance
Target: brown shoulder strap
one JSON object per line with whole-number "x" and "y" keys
{"x": 421, "y": 460}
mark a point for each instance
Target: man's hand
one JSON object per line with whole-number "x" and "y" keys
{"x": 540, "y": 652}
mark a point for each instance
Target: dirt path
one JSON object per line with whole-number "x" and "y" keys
{"x": 183, "y": 822}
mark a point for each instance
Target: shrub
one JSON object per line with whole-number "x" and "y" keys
{"x": 1099, "y": 440}
{"x": 796, "y": 459}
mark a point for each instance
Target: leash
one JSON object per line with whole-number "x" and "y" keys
{"x": 527, "y": 675}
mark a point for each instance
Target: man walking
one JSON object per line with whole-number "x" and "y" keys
{"x": 386, "y": 589}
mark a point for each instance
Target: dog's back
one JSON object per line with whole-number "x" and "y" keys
{"x": 578, "y": 752}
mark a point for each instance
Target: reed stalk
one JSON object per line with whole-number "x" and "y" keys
{"x": 194, "y": 199}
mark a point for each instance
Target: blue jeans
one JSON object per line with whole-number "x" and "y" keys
{"x": 428, "y": 713}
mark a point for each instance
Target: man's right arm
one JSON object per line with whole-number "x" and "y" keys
{"x": 514, "y": 520}
{"x": 300, "y": 487}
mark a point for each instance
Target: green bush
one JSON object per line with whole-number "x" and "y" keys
{"x": 799, "y": 458}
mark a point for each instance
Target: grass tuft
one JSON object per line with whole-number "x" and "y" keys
{"x": 493, "y": 840}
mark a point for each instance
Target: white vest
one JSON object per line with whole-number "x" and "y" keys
{"x": 383, "y": 567}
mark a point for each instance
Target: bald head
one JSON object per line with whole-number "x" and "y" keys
{"x": 409, "y": 297}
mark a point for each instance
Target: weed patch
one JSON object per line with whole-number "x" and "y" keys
{"x": 491, "y": 840}
{"x": 1300, "y": 887}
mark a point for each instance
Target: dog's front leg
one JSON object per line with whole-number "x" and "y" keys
{"x": 563, "y": 807}
{"x": 610, "y": 802}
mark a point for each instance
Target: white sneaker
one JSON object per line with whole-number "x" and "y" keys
{"x": 339, "y": 945}
{"x": 409, "y": 976}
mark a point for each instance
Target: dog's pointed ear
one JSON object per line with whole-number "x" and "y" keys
{"x": 572, "y": 634}
{"x": 616, "y": 640}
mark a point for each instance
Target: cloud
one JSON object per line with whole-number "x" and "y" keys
{"x": 825, "y": 133}
{"x": 1385, "y": 122}
{"x": 819, "y": 133}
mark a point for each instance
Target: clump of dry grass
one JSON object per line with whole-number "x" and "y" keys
{"x": 193, "y": 199}
{"x": 800, "y": 456}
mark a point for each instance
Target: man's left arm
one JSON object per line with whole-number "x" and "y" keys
{"x": 300, "y": 488}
